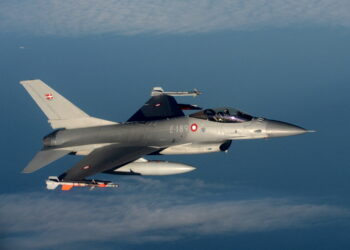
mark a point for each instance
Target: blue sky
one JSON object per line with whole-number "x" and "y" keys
{"x": 284, "y": 60}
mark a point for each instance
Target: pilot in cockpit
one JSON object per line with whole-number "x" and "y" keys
{"x": 223, "y": 116}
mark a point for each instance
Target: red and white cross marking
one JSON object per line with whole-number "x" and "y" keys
{"x": 194, "y": 127}
{"x": 49, "y": 96}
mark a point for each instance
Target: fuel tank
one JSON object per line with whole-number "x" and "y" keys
{"x": 193, "y": 148}
{"x": 153, "y": 168}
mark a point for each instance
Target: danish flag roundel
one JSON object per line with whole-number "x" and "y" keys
{"x": 194, "y": 127}
{"x": 49, "y": 96}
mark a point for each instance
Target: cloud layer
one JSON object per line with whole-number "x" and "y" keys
{"x": 149, "y": 211}
{"x": 85, "y": 17}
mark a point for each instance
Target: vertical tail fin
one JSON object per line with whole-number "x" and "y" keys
{"x": 61, "y": 113}
{"x": 55, "y": 106}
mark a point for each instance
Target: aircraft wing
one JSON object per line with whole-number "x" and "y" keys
{"x": 162, "y": 105}
{"x": 156, "y": 108}
{"x": 104, "y": 159}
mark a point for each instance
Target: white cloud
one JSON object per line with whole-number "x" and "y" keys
{"x": 148, "y": 211}
{"x": 84, "y": 17}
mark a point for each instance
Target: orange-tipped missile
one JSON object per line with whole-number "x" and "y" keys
{"x": 53, "y": 182}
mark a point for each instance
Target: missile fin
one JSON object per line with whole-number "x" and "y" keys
{"x": 67, "y": 187}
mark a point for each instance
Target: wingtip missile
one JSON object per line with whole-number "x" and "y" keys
{"x": 159, "y": 91}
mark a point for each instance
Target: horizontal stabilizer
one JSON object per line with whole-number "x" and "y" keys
{"x": 43, "y": 158}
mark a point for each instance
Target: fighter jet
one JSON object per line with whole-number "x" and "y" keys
{"x": 159, "y": 127}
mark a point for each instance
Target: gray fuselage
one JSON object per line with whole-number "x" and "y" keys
{"x": 168, "y": 133}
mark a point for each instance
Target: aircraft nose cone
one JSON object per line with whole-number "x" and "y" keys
{"x": 278, "y": 129}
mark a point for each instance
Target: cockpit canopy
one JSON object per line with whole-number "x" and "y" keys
{"x": 226, "y": 115}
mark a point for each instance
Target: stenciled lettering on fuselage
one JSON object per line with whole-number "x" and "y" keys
{"x": 178, "y": 128}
